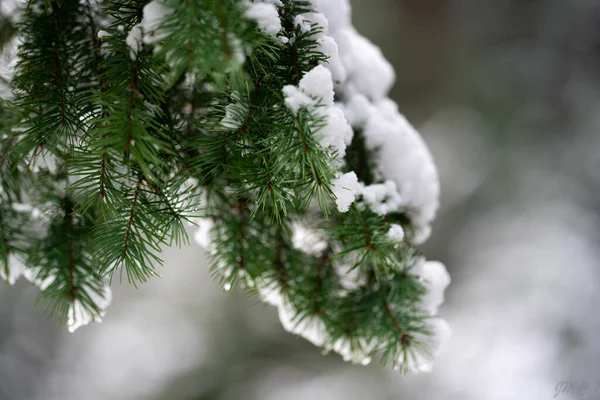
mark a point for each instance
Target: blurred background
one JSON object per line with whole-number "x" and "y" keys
{"x": 507, "y": 95}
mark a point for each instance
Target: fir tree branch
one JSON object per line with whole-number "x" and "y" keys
{"x": 132, "y": 88}
{"x": 279, "y": 264}
{"x": 57, "y": 72}
{"x": 369, "y": 246}
{"x": 223, "y": 29}
{"x": 255, "y": 97}
{"x": 323, "y": 263}
{"x": 70, "y": 251}
{"x": 4, "y": 247}
{"x": 241, "y": 210}
{"x": 95, "y": 45}
{"x": 163, "y": 198}
{"x": 115, "y": 109}
{"x": 6, "y": 151}
{"x": 129, "y": 228}
{"x": 301, "y": 135}
{"x": 396, "y": 324}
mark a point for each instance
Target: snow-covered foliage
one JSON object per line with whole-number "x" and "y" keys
{"x": 315, "y": 92}
{"x": 79, "y": 315}
{"x": 357, "y": 73}
{"x": 365, "y": 77}
{"x": 264, "y": 106}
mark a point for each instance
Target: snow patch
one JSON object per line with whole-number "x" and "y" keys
{"x": 312, "y": 328}
{"x": 435, "y": 278}
{"x": 396, "y": 233}
{"x": 368, "y": 70}
{"x": 134, "y": 41}
{"x": 154, "y": 13}
{"x": 79, "y": 315}
{"x": 265, "y": 15}
{"x": 345, "y": 188}
{"x": 403, "y": 157}
{"x": 307, "y": 240}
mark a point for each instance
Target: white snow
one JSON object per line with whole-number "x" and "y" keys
{"x": 265, "y": 15}
{"x": 134, "y": 41}
{"x": 336, "y": 133}
{"x": 350, "y": 276}
{"x": 306, "y": 22}
{"x": 79, "y": 315}
{"x": 302, "y": 22}
{"x": 329, "y": 47}
{"x": 270, "y": 292}
{"x": 307, "y": 240}
{"x": 435, "y": 278}
{"x": 202, "y": 235}
{"x": 154, "y": 13}
{"x": 357, "y": 110}
{"x": 326, "y": 44}
{"x": 337, "y": 13}
{"x": 102, "y": 34}
{"x": 396, "y": 233}
{"x": 318, "y": 84}
{"x": 239, "y": 56}
{"x": 345, "y": 188}
{"x": 15, "y": 270}
{"x": 382, "y": 198}
{"x": 295, "y": 99}
{"x": 33, "y": 276}
{"x": 367, "y": 69}
{"x": 357, "y": 354}
{"x": 403, "y": 156}
{"x": 311, "y": 327}
{"x": 403, "y": 160}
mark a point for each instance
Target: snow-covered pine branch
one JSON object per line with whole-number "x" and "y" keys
{"x": 266, "y": 123}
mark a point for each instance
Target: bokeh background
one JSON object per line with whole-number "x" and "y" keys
{"x": 507, "y": 95}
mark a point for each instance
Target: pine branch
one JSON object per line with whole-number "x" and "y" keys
{"x": 223, "y": 29}
{"x": 323, "y": 263}
{"x": 58, "y": 71}
{"x": 4, "y": 247}
{"x": 241, "y": 210}
{"x": 70, "y": 251}
{"x": 390, "y": 313}
{"x": 215, "y": 102}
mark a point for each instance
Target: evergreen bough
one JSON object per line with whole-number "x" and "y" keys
{"x": 130, "y": 121}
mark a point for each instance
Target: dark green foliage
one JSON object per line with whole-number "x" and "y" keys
{"x": 46, "y": 83}
{"x": 363, "y": 233}
{"x": 205, "y": 38}
{"x": 360, "y": 159}
{"x": 63, "y": 263}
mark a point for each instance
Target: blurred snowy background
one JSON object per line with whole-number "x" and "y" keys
{"x": 507, "y": 94}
